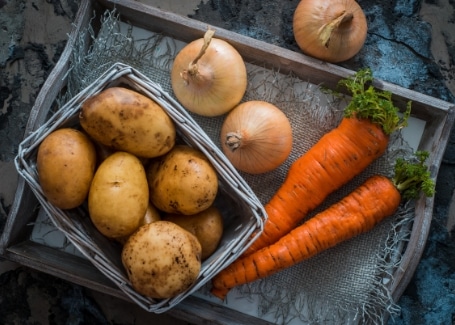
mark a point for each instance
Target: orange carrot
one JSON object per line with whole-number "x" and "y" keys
{"x": 377, "y": 198}
{"x": 361, "y": 137}
{"x": 337, "y": 157}
{"x": 356, "y": 213}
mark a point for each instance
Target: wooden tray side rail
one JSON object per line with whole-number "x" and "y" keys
{"x": 25, "y": 204}
{"x": 16, "y": 246}
{"x": 422, "y": 221}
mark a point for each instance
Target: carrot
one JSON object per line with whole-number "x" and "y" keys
{"x": 377, "y": 198}
{"x": 338, "y": 156}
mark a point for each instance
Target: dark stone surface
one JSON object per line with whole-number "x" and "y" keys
{"x": 26, "y": 293}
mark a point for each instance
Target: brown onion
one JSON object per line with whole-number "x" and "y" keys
{"x": 209, "y": 76}
{"x": 332, "y": 31}
{"x": 256, "y": 137}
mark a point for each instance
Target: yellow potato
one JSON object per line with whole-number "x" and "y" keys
{"x": 118, "y": 196}
{"x": 126, "y": 120}
{"x": 182, "y": 181}
{"x": 151, "y": 215}
{"x": 207, "y": 226}
{"x": 162, "y": 259}
{"x": 66, "y": 162}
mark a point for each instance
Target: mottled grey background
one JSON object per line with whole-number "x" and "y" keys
{"x": 398, "y": 49}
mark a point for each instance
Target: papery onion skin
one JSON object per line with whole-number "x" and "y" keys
{"x": 220, "y": 83}
{"x": 345, "y": 41}
{"x": 256, "y": 137}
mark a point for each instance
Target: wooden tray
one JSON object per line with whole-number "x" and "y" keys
{"x": 15, "y": 244}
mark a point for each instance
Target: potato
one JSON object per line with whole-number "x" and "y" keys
{"x": 126, "y": 120}
{"x": 207, "y": 226}
{"x": 151, "y": 215}
{"x": 182, "y": 181}
{"x": 66, "y": 162}
{"x": 118, "y": 196}
{"x": 162, "y": 259}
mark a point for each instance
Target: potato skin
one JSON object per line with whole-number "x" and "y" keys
{"x": 182, "y": 181}
{"x": 66, "y": 162}
{"x": 118, "y": 196}
{"x": 151, "y": 215}
{"x": 206, "y": 225}
{"x": 161, "y": 259}
{"x": 126, "y": 120}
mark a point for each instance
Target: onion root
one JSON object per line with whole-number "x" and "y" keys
{"x": 233, "y": 140}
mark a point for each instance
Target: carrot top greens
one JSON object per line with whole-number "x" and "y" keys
{"x": 412, "y": 176}
{"x": 370, "y": 103}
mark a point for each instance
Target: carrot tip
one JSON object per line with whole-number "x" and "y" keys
{"x": 219, "y": 292}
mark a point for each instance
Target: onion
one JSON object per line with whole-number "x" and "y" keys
{"x": 330, "y": 30}
{"x": 256, "y": 137}
{"x": 209, "y": 76}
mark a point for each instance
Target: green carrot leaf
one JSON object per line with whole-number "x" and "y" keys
{"x": 369, "y": 103}
{"x": 413, "y": 177}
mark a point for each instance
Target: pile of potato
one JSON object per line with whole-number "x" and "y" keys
{"x": 143, "y": 189}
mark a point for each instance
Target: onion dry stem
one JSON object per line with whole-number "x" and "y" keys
{"x": 193, "y": 67}
{"x": 209, "y": 76}
{"x": 330, "y": 30}
{"x": 326, "y": 30}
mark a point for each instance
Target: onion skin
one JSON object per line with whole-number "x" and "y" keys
{"x": 256, "y": 137}
{"x": 218, "y": 83}
{"x": 312, "y": 24}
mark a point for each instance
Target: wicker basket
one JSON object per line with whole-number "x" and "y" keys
{"x": 242, "y": 211}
